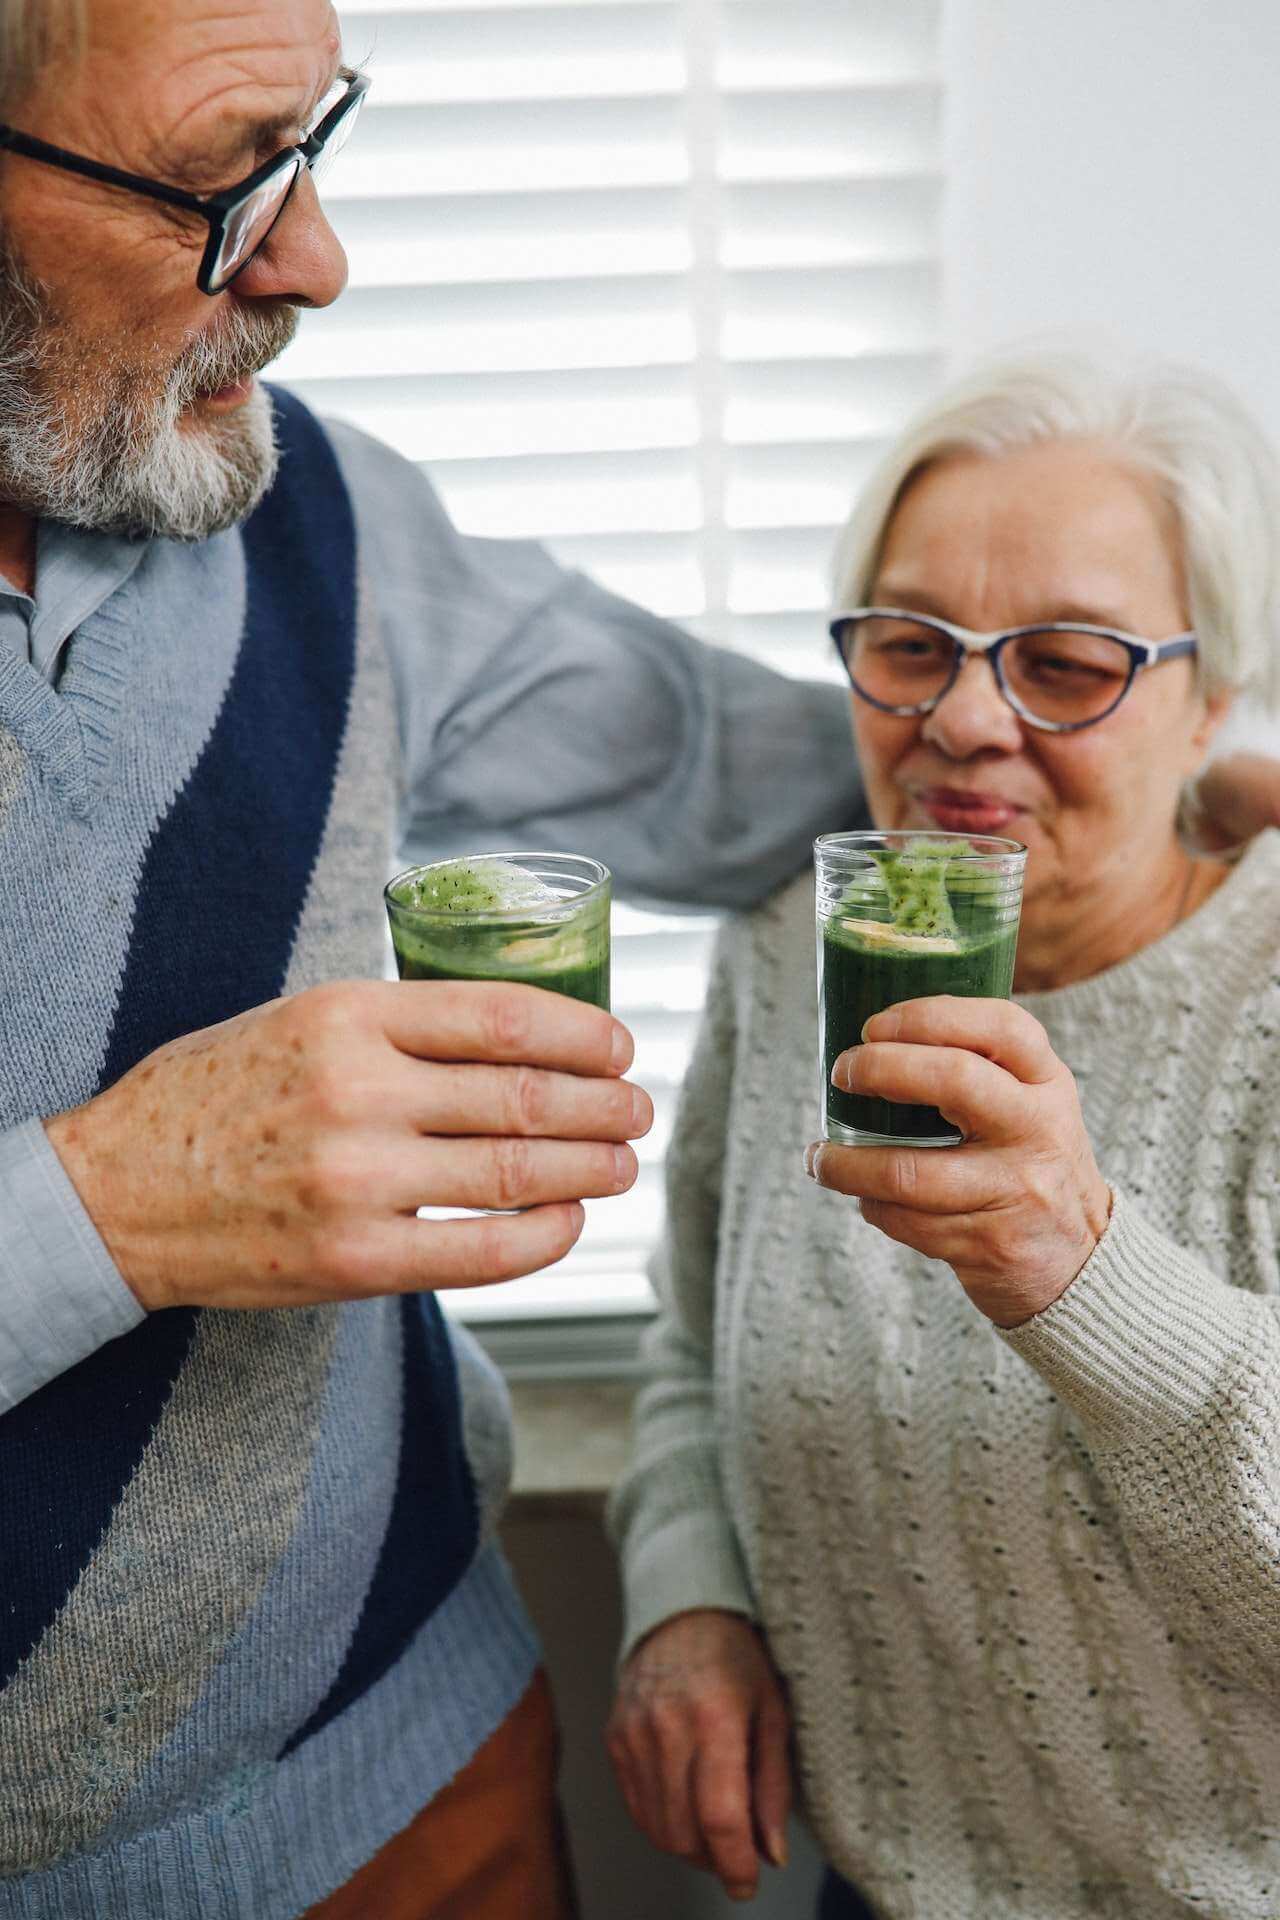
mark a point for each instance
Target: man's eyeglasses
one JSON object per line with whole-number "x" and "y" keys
{"x": 1059, "y": 677}
{"x": 241, "y": 218}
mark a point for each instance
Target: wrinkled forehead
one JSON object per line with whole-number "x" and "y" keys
{"x": 201, "y": 71}
{"x": 1068, "y": 523}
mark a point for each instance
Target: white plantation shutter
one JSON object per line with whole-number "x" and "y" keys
{"x": 650, "y": 280}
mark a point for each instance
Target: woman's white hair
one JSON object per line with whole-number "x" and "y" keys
{"x": 33, "y": 32}
{"x": 1214, "y": 465}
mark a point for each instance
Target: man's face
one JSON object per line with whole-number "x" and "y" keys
{"x": 127, "y": 398}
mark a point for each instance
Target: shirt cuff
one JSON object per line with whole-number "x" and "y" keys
{"x": 689, "y": 1562}
{"x": 1144, "y": 1340}
{"x": 61, "y": 1294}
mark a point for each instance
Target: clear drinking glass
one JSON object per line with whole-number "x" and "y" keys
{"x": 902, "y": 916}
{"x": 469, "y": 919}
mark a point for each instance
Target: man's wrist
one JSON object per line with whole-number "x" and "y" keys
{"x": 65, "y": 1134}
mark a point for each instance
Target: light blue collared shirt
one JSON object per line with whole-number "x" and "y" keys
{"x": 76, "y": 573}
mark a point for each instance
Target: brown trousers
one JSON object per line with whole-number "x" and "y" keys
{"x": 489, "y": 1847}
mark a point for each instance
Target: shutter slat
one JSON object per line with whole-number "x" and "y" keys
{"x": 660, "y": 305}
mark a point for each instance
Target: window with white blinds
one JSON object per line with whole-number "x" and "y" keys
{"x": 650, "y": 280}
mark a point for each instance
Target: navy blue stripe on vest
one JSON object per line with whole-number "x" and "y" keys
{"x": 221, "y": 894}
{"x": 433, "y": 1530}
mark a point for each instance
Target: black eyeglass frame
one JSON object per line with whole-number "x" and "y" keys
{"x": 965, "y": 642}
{"x": 217, "y": 208}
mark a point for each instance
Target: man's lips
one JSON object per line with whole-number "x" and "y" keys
{"x": 966, "y": 810}
{"x": 233, "y": 395}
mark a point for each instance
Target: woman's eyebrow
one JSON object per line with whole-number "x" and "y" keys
{"x": 1068, "y": 613}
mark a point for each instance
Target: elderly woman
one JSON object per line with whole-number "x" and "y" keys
{"x": 961, "y": 1468}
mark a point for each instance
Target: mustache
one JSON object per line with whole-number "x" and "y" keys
{"x": 247, "y": 344}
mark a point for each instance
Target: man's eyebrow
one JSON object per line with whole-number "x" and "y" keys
{"x": 275, "y": 127}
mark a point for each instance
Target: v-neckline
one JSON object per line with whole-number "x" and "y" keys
{"x": 68, "y": 731}
{"x": 46, "y": 727}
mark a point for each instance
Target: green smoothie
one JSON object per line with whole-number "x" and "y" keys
{"x": 918, "y": 917}
{"x": 540, "y": 920}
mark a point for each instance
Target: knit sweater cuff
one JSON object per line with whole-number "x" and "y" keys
{"x": 1144, "y": 1340}
{"x": 61, "y": 1294}
{"x": 690, "y": 1561}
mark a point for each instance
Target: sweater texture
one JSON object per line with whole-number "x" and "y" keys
{"x": 253, "y": 1617}
{"x": 1024, "y": 1588}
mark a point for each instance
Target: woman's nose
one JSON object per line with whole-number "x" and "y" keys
{"x": 303, "y": 262}
{"x": 974, "y": 716}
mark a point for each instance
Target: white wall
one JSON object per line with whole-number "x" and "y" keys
{"x": 1115, "y": 165}
{"x": 1114, "y": 171}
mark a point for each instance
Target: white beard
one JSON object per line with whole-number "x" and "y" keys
{"x": 124, "y": 459}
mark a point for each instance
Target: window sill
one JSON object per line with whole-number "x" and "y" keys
{"x": 589, "y": 1347}
{"x": 572, "y": 1439}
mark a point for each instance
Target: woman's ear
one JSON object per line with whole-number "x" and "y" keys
{"x": 1214, "y": 710}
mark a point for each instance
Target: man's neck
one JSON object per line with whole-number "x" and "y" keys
{"x": 18, "y": 548}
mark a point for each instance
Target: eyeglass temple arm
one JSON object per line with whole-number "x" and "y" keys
{"x": 30, "y": 148}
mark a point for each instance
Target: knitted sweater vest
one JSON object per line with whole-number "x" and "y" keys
{"x": 219, "y": 1533}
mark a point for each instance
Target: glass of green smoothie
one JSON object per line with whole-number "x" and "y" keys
{"x": 541, "y": 919}
{"x": 902, "y": 916}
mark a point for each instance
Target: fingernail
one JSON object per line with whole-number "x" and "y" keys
{"x": 777, "y": 1843}
{"x": 886, "y": 1025}
{"x": 811, "y": 1159}
{"x": 624, "y": 1166}
{"x": 842, "y": 1073}
{"x": 622, "y": 1051}
{"x": 741, "y": 1893}
{"x": 641, "y": 1112}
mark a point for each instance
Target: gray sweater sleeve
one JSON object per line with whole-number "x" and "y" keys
{"x": 669, "y": 1516}
{"x": 1175, "y": 1378}
{"x": 61, "y": 1295}
{"x": 537, "y": 708}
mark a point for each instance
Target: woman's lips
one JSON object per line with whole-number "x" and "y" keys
{"x": 956, "y": 810}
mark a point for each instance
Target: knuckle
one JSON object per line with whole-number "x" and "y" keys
{"x": 487, "y": 1254}
{"x": 667, "y": 1720}
{"x": 348, "y": 1262}
{"x": 331, "y": 1092}
{"x": 529, "y": 1101}
{"x": 327, "y": 1009}
{"x": 970, "y": 1078}
{"x": 721, "y": 1820}
{"x": 327, "y": 1179}
{"x": 512, "y": 1166}
{"x": 719, "y": 1709}
{"x": 904, "y": 1179}
{"x": 504, "y": 1021}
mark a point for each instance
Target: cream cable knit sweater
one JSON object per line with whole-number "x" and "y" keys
{"x": 1024, "y": 1588}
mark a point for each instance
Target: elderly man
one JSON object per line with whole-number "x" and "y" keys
{"x": 258, "y": 1650}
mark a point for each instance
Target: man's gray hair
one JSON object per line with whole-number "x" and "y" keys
{"x": 1214, "y": 465}
{"x": 33, "y": 32}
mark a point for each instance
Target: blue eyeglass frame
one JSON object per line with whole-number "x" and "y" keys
{"x": 965, "y": 642}
{"x": 217, "y": 208}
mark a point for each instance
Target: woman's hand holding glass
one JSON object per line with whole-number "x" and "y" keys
{"x": 1018, "y": 1209}
{"x": 700, "y": 1742}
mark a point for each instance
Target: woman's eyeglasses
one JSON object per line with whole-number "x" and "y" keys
{"x": 242, "y": 218}
{"x": 1059, "y": 677}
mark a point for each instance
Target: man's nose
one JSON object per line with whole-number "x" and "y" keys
{"x": 974, "y": 716}
{"x": 303, "y": 264}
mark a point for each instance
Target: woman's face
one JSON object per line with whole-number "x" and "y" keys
{"x": 1060, "y": 531}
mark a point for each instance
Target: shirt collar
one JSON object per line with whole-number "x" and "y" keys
{"x": 77, "y": 571}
